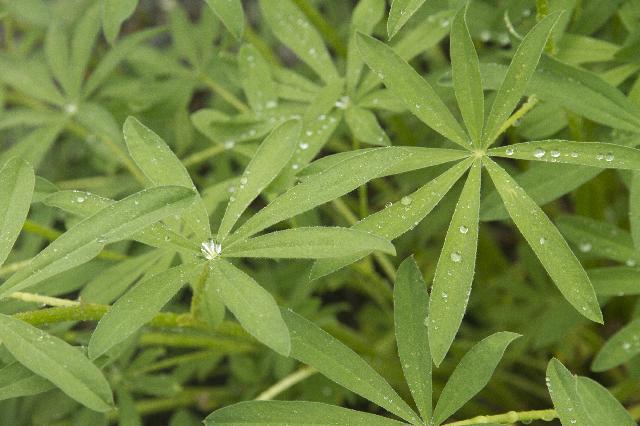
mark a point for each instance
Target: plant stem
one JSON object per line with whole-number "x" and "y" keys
{"x": 205, "y": 154}
{"x": 286, "y": 383}
{"x": 13, "y": 267}
{"x": 198, "y": 289}
{"x": 223, "y": 93}
{"x": 542, "y": 10}
{"x": 328, "y": 31}
{"x": 525, "y": 108}
{"x": 176, "y": 360}
{"x": 45, "y": 300}
{"x": 510, "y": 417}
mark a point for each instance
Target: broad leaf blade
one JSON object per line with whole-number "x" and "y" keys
{"x": 595, "y": 154}
{"x": 620, "y": 348}
{"x": 52, "y": 358}
{"x": 332, "y": 183}
{"x": 251, "y": 304}
{"x": 231, "y": 14}
{"x": 138, "y": 306}
{"x": 563, "y": 389}
{"x": 272, "y": 155}
{"x": 410, "y": 307}
{"x": 472, "y": 374}
{"x": 465, "y": 70}
{"x": 455, "y": 269}
{"x": 293, "y": 413}
{"x": 17, "y": 182}
{"x": 401, "y": 11}
{"x": 310, "y": 243}
{"x": 522, "y": 67}
{"x": 85, "y": 240}
{"x": 315, "y": 347}
{"x": 547, "y": 243}
{"x": 414, "y": 91}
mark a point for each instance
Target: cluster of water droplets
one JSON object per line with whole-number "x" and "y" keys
{"x": 210, "y": 249}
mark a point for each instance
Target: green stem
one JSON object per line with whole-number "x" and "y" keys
{"x": 510, "y": 417}
{"x": 175, "y": 360}
{"x": 205, "y": 154}
{"x": 44, "y": 300}
{"x": 198, "y": 290}
{"x": 327, "y": 30}
{"x": 286, "y": 383}
{"x": 223, "y": 93}
{"x": 542, "y": 10}
{"x": 525, "y": 108}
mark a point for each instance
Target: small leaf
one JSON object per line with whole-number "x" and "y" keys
{"x": 455, "y": 269}
{"x": 272, "y": 155}
{"x": 315, "y": 347}
{"x": 401, "y": 11}
{"x": 17, "y": 182}
{"x": 465, "y": 71}
{"x": 522, "y": 67}
{"x": 615, "y": 281}
{"x": 323, "y": 187}
{"x": 400, "y": 217}
{"x": 17, "y": 381}
{"x": 293, "y": 413}
{"x": 547, "y": 243}
{"x": 410, "y": 307}
{"x": 294, "y": 30}
{"x": 231, "y": 14}
{"x": 138, "y": 306}
{"x": 595, "y": 154}
{"x": 472, "y": 374}
{"x": 365, "y": 127}
{"x": 620, "y": 347}
{"x": 114, "y": 13}
{"x": 256, "y": 79}
{"x": 252, "y": 305}
{"x": 62, "y": 364}
{"x": 310, "y": 243}
{"x": 415, "y": 92}
{"x": 85, "y": 240}
{"x": 160, "y": 165}
{"x": 366, "y": 15}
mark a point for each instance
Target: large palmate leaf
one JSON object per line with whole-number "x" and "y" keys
{"x": 62, "y": 364}
{"x": 17, "y": 182}
{"x": 547, "y": 243}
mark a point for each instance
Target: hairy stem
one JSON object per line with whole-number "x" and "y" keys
{"x": 510, "y": 417}
{"x": 286, "y": 383}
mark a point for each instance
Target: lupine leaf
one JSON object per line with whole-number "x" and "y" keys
{"x": 365, "y": 17}
{"x": 401, "y": 11}
{"x": 410, "y": 307}
{"x": 257, "y": 82}
{"x": 114, "y": 13}
{"x": 231, "y": 14}
{"x": 17, "y": 381}
{"x": 616, "y": 280}
{"x": 17, "y": 182}
{"x": 620, "y": 347}
{"x": 472, "y": 374}
{"x": 547, "y": 243}
{"x": 634, "y": 209}
{"x": 62, "y": 364}
{"x": 365, "y": 127}
{"x": 455, "y": 269}
{"x": 315, "y": 347}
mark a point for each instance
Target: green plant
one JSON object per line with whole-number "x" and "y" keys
{"x": 171, "y": 239}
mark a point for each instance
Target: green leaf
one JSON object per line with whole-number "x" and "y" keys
{"x": 547, "y": 243}
{"x": 293, "y": 413}
{"x": 522, "y": 67}
{"x": 417, "y": 95}
{"x": 455, "y": 269}
{"x": 294, "y": 30}
{"x": 315, "y": 347}
{"x": 252, "y": 305}
{"x": 620, "y": 347}
{"x": 256, "y": 79}
{"x": 323, "y": 187}
{"x": 138, "y": 306}
{"x": 56, "y": 49}
{"x": 62, "y": 364}
{"x": 634, "y": 209}
{"x": 86, "y": 239}
{"x": 83, "y": 40}
{"x": 160, "y": 165}
{"x": 401, "y": 11}
{"x": 17, "y": 381}
{"x": 366, "y": 15}
{"x": 472, "y": 374}
{"x": 579, "y": 401}
{"x": 17, "y": 182}
{"x": 410, "y": 308}
{"x": 231, "y": 14}
{"x": 310, "y": 243}
{"x": 465, "y": 70}
{"x": 595, "y": 154}
{"x": 30, "y": 77}
{"x": 114, "y": 13}
{"x": 365, "y": 127}
{"x": 615, "y": 281}
{"x": 272, "y": 155}
{"x": 400, "y": 217}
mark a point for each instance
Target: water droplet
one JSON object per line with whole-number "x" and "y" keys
{"x": 585, "y": 247}
{"x": 626, "y": 346}
{"x": 342, "y": 103}
{"x": 574, "y": 155}
{"x": 539, "y": 153}
{"x": 405, "y": 201}
{"x": 71, "y": 109}
{"x": 271, "y": 104}
{"x": 555, "y": 154}
{"x": 229, "y": 144}
{"x": 509, "y": 151}
{"x": 543, "y": 240}
{"x": 609, "y": 157}
{"x": 210, "y": 249}
{"x": 600, "y": 157}
{"x": 388, "y": 204}
{"x": 463, "y": 229}
{"x": 456, "y": 257}
{"x": 243, "y": 180}
{"x": 485, "y": 35}
{"x": 80, "y": 199}
{"x": 295, "y": 166}
{"x": 445, "y": 296}
{"x": 630, "y": 262}
{"x": 304, "y": 145}
{"x": 309, "y": 133}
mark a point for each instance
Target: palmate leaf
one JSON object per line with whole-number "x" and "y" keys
{"x": 62, "y": 364}
{"x": 365, "y": 127}
{"x": 410, "y": 307}
{"x": 293, "y": 413}
{"x": 594, "y": 154}
{"x": 401, "y": 11}
{"x": 309, "y": 243}
{"x": 114, "y": 13}
{"x": 581, "y": 401}
{"x": 252, "y": 305}
{"x": 231, "y": 14}
{"x": 272, "y": 155}
{"x": 455, "y": 269}
{"x": 85, "y": 240}
{"x": 547, "y": 243}
{"x": 522, "y": 67}
{"x": 17, "y": 182}
{"x": 138, "y": 306}
{"x": 315, "y": 347}
{"x": 471, "y": 374}
{"x": 399, "y": 218}
{"x": 417, "y": 95}
{"x": 620, "y": 347}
